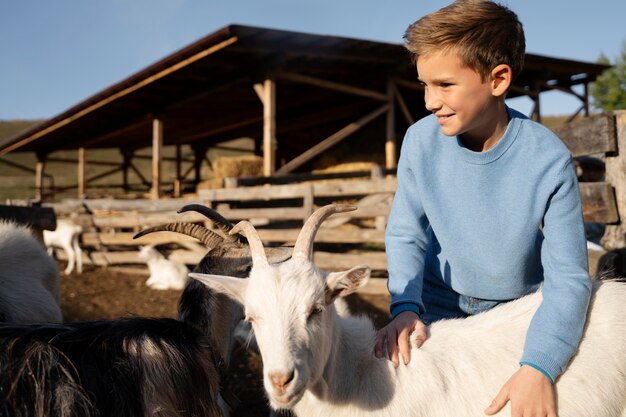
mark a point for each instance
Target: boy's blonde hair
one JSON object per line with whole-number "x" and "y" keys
{"x": 484, "y": 34}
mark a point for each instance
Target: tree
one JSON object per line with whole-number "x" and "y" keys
{"x": 609, "y": 89}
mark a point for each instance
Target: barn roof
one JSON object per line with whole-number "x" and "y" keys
{"x": 204, "y": 92}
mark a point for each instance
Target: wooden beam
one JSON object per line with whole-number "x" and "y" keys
{"x": 260, "y": 91}
{"x": 269, "y": 127}
{"x": 615, "y": 234}
{"x": 178, "y": 180}
{"x": 331, "y": 140}
{"x": 403, "y": 107}
{"x": 588, "y": 136}
{"x": 331, "y": 85}
{"x": 157, "y": 148}
{"x": 82, "y": 169}
{"x": 18, "y": 166}
{"x": 390, "y": 139}
{"x": 181, "y": 64}
{"x": 39, "y": 174}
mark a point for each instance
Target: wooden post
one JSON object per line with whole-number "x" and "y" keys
{"x": 82, "y": 169}
{"x": 615, "y": 234}
{"x": 39, "y": 172}
{"x": 269, "y": 127}
{"x": 390, "y": 139}
{"x": 178, "y": 191}
{"x": 536, "y": 116}
{"x": 199, "y": 154}
{"x": 157, "y": 145}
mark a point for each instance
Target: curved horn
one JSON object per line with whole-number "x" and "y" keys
{"x": 210, "y": 214}
{"x": 256, "y": 246}
{"x": 304, "y": 243}
{"x": 204, "y": 235}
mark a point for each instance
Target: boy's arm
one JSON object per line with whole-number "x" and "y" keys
{"x": 556, "y": 328}
{"x": 406, "y": 239}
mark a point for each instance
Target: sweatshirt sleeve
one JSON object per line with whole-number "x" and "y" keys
{"x": 406, "y": 238}
{"x": 556, "y": 328}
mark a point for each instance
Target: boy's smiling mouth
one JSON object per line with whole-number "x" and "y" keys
{"x": 442, "y": 118}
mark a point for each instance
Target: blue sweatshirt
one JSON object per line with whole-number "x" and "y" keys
{"x": 493, "y": 225}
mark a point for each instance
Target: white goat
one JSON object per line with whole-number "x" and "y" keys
{"x": 29, "y": 278}
{"x": 65, "y": 236}
{"x": 321, "y": 364}
{"x": 165, "y": 274}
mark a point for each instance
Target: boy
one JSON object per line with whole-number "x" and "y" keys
{"x": 487, "y": 207}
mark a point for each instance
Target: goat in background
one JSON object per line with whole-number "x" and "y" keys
{"x": 66, "y": 236}
{"x": 319, "y": 363}
{"x": 165, "y": 274}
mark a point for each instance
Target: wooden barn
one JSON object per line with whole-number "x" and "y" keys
{"x": 295, "y": 95}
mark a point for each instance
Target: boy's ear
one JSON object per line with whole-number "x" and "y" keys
{"x": 501, "y": 79}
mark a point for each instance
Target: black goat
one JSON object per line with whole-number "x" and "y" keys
{"x": 127, "y": 367}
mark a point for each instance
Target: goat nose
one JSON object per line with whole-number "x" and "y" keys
{"x": 281, "y": 380}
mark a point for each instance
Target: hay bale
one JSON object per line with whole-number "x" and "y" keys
{"x": 330, "y": 163}
{"x": 238, "y": 166}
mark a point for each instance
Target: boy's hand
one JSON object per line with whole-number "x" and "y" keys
{"x": 397, "y": 334}
{"x": 530, "y": 392}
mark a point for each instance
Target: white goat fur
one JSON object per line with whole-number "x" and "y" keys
{"x": 29, "y": 278}
{"x": 327, "y": 365}
{"x": 65, "y": 236}
{"x": 165, "y": 274}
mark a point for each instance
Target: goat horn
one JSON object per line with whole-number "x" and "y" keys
{"x": 256, "y": 246}
{"x": 304, "y": 243}
{"x": 204, "y": 235}
{"x": 210, "y": 214}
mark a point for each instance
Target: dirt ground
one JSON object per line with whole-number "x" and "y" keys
{"x": 110, "y": 293}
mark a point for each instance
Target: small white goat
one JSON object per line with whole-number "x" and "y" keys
{"x": 65, "y": 236}
{"x": 29, "y": 278}
{"x": 319, "y": 363}
{"x": 165, "y": 274}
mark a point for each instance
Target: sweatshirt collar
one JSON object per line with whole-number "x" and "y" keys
{"x": 494, "y": 153}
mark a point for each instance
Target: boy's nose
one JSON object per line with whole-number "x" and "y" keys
{"x": 432, "y": 102}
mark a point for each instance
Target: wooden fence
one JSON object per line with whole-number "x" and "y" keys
{"x": 344, "y": 240}
{"x": 605, "y": 201}
{"x": 278, "y": 212}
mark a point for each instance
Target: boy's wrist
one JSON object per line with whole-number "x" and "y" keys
{"x": 402, "y": 307}
{"x": 538, "y": 368}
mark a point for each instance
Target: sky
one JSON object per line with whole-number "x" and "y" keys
{"x": 56, "y": 53}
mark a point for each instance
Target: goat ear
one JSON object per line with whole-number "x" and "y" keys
{"x": 340, "y": 284}
{"x": 234, "y": 288}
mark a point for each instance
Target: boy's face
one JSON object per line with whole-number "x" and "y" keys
{"x": 462, "y": 101}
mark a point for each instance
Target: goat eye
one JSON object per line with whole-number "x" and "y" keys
{"x": 315, "y": 311}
